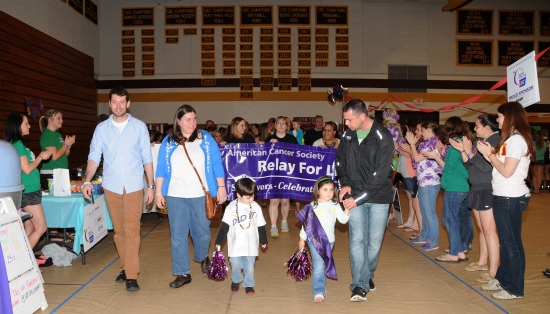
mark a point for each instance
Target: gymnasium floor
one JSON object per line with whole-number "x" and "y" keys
{"x": 407, "y": 280}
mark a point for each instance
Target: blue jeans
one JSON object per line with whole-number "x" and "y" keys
{"x": 367, "y": 224}
{"x": 246, "y": 264}
{"x": 508, "y": 212}
{"x": 452, "y": 203}
{"x": 187, "y": 215}
{"x": 466, "y": 225}
{"x": 427, "y": 196}
{"x": 319, "y": 277}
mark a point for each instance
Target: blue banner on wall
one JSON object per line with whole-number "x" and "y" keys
{"x": 280, "y": 170}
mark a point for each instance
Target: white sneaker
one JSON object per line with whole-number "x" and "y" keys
{"x": 319, "y": 297}
{"x": 492, "y": 285}
{"x": 505, "y": 295}
{"x": 284, "y": 226}
{"x": 274, "y": 232}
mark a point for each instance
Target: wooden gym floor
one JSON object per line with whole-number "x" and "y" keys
{"x": 407, "y": 280}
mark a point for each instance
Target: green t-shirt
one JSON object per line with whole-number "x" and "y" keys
{"x": 361, "y": 135}
{"x": 50, "y": 138}
{"x": 455, "y": 176}
{"x": 31, "y": 181}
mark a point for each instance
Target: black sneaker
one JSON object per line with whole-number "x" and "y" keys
{"x": 234, "y": 286}
{"x": 132, "y": 285}
{"x": 121, "y": 277}
{"x": 358, "y": 294}
{"x": 249, "y": 290}
{"x": 204, "y": 265}
{"x": 372, "y": 287}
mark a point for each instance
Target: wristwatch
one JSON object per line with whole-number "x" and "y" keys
{"x": 470, "y": 154}
{"x": 151, "y": 186}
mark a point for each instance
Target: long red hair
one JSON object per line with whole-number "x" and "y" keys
{"x": 515, "y": 121}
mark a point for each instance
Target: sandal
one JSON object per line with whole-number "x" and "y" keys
{"x": 414, "y": 236}
{"x": 447, "y": 250}
{"x": 409, "y": 229}
{"x": 445, "y": 258}
{"x": 403, "y": 226}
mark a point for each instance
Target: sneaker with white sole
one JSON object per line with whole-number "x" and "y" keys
{"x": 505, "y": 295}
{"x": 274, "y": 232}
{"x": 318, "y": 298}
{"x": 284, "y": 226}
{"x": 492, "y": 285}
{"x": 372, "y": 287}
{"x": 359, "y": 294}
{"x": 418, "y": 240}
{"x": 476, "y": 267}
{"x": 485, "y": 277}
{"x": 429, "y": 247}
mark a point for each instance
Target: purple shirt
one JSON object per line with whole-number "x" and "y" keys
{"x": 428, "y": 170}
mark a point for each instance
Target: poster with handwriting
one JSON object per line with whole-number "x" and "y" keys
{"x": 24, "y": 281}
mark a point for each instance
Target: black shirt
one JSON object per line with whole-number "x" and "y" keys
{"x": 311, "y": 136}
{"x": 289, "y": 138}
{"x": 246, "y": 139}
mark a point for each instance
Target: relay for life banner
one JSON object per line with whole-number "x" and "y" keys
{"x": 280, "y": 170}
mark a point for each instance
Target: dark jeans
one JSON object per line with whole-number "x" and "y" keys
{"x": 466, "y": 225}
{"x": 508, "y": 212}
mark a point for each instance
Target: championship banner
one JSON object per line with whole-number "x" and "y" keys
{"x": 280, "y": 170}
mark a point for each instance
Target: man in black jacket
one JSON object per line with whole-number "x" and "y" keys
{"x": 364, "y": 168}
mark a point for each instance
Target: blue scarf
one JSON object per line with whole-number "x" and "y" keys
{"x": 317, "y": 236}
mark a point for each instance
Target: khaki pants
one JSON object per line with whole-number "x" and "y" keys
{"x": 125, "y": 211}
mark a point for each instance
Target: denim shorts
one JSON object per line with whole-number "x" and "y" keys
{"x": 32, "y": 198}
{"x": 411, "y": 185}
{"x": 408, "y": 184}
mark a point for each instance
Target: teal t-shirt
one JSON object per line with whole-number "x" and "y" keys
{"x": 31, "y": 181}
{"x": 50, "y": 138}
{"x": 540, "y": 152}
{"x": 455, "y": 176}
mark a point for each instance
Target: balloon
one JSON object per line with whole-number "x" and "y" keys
{"x": 331, "y": 99}
{"x": 336, "y": 93}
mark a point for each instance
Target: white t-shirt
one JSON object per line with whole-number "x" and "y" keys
{"x": 184, "y": 181}
{"x": 120, "y": 125}
{"x": 243, "y": 238}
{"x": 327, "y": 213}
{"x": 514, "y": 147}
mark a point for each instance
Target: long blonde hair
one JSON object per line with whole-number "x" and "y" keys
{"x": 43, "y": 122}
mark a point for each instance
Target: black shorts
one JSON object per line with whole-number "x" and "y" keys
{"x": 32, "y": 198}
{"x": 537, "y": 163}
{"x": 480, "y": 199}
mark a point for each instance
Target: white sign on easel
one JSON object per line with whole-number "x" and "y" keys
{"x": 94, "y": 228}
{"x": 24, "y": 279}
{"x": 523, "y": 82}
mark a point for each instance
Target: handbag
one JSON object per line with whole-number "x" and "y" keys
{"x": 213, "y": 209}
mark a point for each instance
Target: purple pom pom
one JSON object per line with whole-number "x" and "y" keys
{"x": 298, "y": 265}
{"x": 217, "y": 269}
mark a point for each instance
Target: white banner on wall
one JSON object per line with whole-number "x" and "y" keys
{"x": 523, "y": 82}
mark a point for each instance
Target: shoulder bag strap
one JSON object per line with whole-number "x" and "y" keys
{"x": 186, "y": 153}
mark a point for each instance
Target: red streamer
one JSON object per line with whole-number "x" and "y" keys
{"x": 466, "y": 102}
